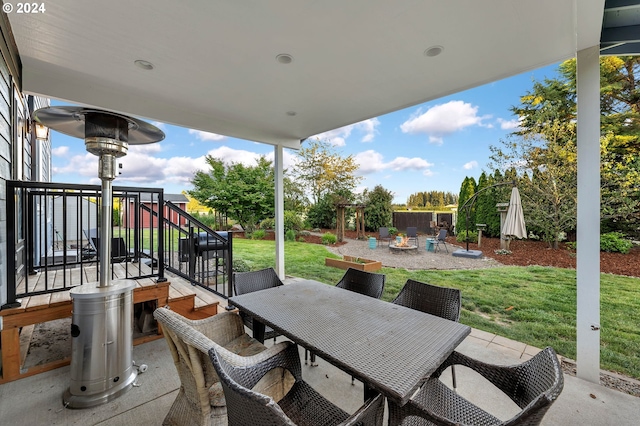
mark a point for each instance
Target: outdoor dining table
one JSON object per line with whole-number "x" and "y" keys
{"x": 390, "y": 348}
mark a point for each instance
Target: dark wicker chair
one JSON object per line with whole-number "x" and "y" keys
{"x": 384, "y": 235}
{"x": 440, "y": 301}
{"x": 412, "y": 235}
{"x": 533, "y": 385}
{"x": 362, "y": 282}
{"x": 441, "y": 239}
{"x": 248, "y": 282}
{"x": 301, "y": 405}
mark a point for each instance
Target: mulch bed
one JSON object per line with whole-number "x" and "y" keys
{"x": 524, "y": 253}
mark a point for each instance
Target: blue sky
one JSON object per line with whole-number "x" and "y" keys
{"x": 429, "y": 147}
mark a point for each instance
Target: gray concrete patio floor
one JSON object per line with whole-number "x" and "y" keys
{"x": 37, "y": 400}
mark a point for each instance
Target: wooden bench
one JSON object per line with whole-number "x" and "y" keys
{"x": 191, "y": 302}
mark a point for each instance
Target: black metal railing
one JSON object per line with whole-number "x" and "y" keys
{"x": 53, "y": 233}
{"x": 197, "y": 253}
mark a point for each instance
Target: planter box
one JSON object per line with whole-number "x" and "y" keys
{"x": 350, "y": 262}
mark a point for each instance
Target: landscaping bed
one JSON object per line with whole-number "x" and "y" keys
{"x": 359, "y": 263}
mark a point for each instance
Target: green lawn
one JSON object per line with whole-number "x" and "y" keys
{"x": 534, "y": 305}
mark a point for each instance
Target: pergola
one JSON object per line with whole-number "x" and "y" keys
{"x": 340, "y": 219}
{"x": 280, "y": 71}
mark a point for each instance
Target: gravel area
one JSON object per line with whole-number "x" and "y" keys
{"x": 421, "y": 259}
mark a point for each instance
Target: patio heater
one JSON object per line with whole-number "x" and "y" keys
{"x": 102, "y": 345}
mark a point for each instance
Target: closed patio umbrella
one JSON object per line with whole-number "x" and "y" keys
{"x": 514, "y": 223}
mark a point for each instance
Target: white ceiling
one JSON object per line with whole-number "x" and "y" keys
{"x": 216, "y": 69}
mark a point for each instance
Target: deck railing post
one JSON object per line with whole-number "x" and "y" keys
{"x": 12, "y": 281}
{"x": 229, "y": 264}
{"x": 161, "y": 207}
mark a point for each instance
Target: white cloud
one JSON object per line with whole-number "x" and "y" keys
{"x": 509, "y": 124}
{"x": 470, "y": 165}
{"x": 230, "y": 155}
{"x": 371, "y": 161}
{"x": 60, "y": 151}
{"x": 339, "y": 136}
{"x": 369, "y": 128}
{"x": 85, "y": 165}
{"x": 145, "y": 148}
{"x": 444, "y": 119}
{"x": 206, "y": 136}
{"x": 404, "y": 163}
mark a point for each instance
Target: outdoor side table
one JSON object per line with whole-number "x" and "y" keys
{"x": 430, "y": 244}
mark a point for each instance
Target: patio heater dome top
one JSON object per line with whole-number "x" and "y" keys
{"x": 83, "y": 122}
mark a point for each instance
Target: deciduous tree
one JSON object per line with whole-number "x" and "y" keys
{"x": 321, "y": 170}
{"x": 244, "y": 193}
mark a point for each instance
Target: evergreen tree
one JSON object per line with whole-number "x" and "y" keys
{"x": 378, "y": 211}
{"x": 467, "y": 190}
{"x": 484, "y": 201}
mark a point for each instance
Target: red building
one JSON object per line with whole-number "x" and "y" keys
{"x": 145, "y": 217}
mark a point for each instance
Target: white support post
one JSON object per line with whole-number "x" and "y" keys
{"x": 588, "y": 228}
{"x": 279, "y": 208}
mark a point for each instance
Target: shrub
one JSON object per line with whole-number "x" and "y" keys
{"x": 378, "y": 211}
{"x": 615, "y": 242}
{"x": 208, "y": 219}
{"x": 502, "y": 251}
{"x": 301, "y": 239}
{"x": 393, "y": 230}
{"x": 240, "y": 265}
{"x": 292, "y": 221}
{"x": 290, "y": 235}
{"x": 329, "y": 238}
{"x": 464, "y": 236}
{"x": 322, "y": 214}
{"x": 258, "y": 234}
{"x": 268, "y": 223}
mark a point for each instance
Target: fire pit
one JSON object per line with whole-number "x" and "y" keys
{"x": 403, "y": 247}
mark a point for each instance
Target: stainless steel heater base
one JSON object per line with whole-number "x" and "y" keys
{"x": 101, "y": 349}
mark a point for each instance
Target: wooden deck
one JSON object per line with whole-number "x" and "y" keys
{"x": 186, "y": 299}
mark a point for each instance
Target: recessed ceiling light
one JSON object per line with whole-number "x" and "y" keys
{"x": 433, "y": 51}
{"x": 284, "y": 58}
{"x": 145, "y": 65}
{"x": 291, "y": 113}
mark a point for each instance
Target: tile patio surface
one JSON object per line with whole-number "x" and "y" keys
{"x": 37, "y": 400}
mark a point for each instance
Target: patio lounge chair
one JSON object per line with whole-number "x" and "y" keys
{"x": 440, "y": 301}
{"x": 384, "y": 235}
{"x": 412, "y": 234}
{"x": 200, "y": 400}
{"x": 302, "y": 405}
{"x": 441, "y": 239}
{"x": 248, "y": 282}
{"x": 119, "y": 250}
{"x": 533, "y": 385}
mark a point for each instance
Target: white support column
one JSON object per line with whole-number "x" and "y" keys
{"x": 279, "y": 208}
{"x": 588, "y": 228}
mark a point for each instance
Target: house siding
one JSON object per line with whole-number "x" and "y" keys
{"x": 15, "y": 133}
{"x": 5, "y": 169}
